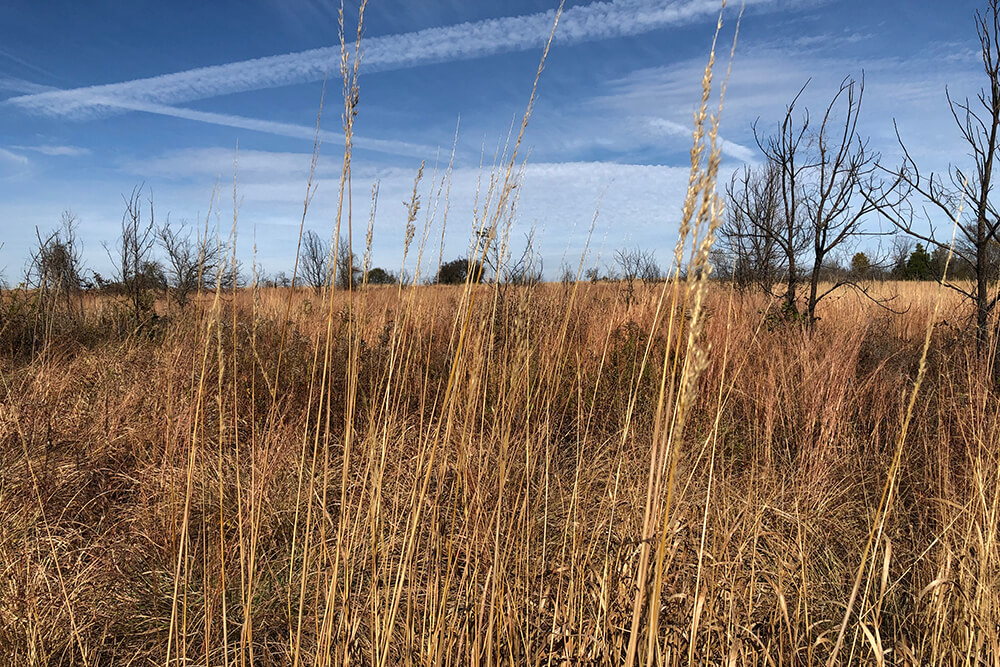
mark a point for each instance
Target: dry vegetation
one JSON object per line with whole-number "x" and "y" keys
{"x": 546, "y": 474}
{"x": 178, "y": 496}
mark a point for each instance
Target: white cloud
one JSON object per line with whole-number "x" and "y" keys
{"x": 765, "y": 78}
{"x": 14, "y": 166}
{"x": 206, "y": 164}
{"x": 292, "y": 130}
{"x": 665, "y": 127}
{"x": 13, "y": 158}
{"x": 55, "y": 151}
{"x": 598, "y": 20}
{"x": 21, "y": 86}
{"x": 640, "y": 204}
{"x": 392, "y": 147}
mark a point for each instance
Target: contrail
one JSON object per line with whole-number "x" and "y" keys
{"x": 306, "y": 132}
{"x": 598, "y": 20}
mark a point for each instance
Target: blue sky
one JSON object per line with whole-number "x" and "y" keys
{"x": 100, "y": 96}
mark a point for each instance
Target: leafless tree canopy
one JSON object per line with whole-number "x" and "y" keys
{"x": 637, "y": 264}
{"x": 135, "y": 269}
{"x": 762, "y": 248}
{"x": 347, "y": 270}
{"x": 318, "y": 267}
{"x": 191, "y": 264}
{"x": 808, "y": 203}
{"x": 528, "y": 268}
{"x": 56, "y": 267}
{"x": 915, "y": 200}
{"x": 317, "y": 271}
{"x": 841, "y": 181}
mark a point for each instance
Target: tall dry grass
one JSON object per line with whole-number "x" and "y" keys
{"x": 555, "y": 474}
{"x": 363, "y": 518}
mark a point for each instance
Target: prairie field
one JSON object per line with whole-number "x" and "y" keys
{"x": 643, "y": 468}
{"x": 499, "y": 475}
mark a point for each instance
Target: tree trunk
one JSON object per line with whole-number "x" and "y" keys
{"x": 982, "y": 295}
{"x": 789, "y": 305}
{"x": 814, "y": 290}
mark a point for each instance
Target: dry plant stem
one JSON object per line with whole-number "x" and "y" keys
{"x": 48, "y": 532}
{"x": 310, "y": 191}
{"x": 349, "y": 73}
{"x": 447, "y": 401}
{"x": 885, "y": 504}
{"x": 663, "y": 457}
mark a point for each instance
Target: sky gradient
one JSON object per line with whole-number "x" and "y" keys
{"x": 101, "y": 96}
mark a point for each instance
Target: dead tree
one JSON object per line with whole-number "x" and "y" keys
{"x": 317, "y": 270}
{"x": 136, "y": 272}
{"x": 56, "y": 267}
{"x": 807, "y": 203}
{"x": 347, "y": 270}
{"x": 839, "y": 191}
{"x": 761, "y": 247}
{"x": 914, "y": 198}
{"x": 785, "y": 152}
{"x": 191, "y": 264}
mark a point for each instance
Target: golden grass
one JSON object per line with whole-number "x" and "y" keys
{"x": 506, "y": 526}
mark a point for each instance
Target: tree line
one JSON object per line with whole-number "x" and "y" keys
{"x": 151, "y": 259}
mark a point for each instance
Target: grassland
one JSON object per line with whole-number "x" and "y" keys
{"x": 556, "y": 474}
{"x": 414, "y": 476}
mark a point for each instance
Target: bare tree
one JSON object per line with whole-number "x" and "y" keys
{"x": 780, "y": 220}
{"x": 529, "y": 268}
{"x": 191, "y": 263}
{"x": 637, "y": 264}
{"x": 317, "y": 271}
{"x": 135, "y": 270}
{"x": 902, "y": 246}
{"x": 56, "y": 267}
{"x": 840, "y": 188}
{"x": 347, "y": 270}
{"x": 806, "y": 205}
{"x": 905, "y": 202}
{"x": 761, "y": 247}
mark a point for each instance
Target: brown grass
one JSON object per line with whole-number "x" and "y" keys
{"x": 504, "y": 526}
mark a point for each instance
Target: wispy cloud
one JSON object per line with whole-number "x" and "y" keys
{"x": 255, "y": 166}
{"x": 598, "y": 20}
{"x": 665, "y": 127}
{"x": 295, "y": 131}
{"x": 55, "y": 151}
{"x": 13, "y": 158}
{"x": 13, "y": 165}
{"x": 17, "y": 85}
{"x": 24, "y": 63}
{"x": 281, "y": 129}
{"x": 909, "y": 90}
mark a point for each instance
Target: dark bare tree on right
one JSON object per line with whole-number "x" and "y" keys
{"x": 840, "y": 190}
{"x": 914, "y": 201}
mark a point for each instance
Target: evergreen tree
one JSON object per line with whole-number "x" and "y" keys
{"x": 861, "y": 266}
{"x": 918, "y": 266}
